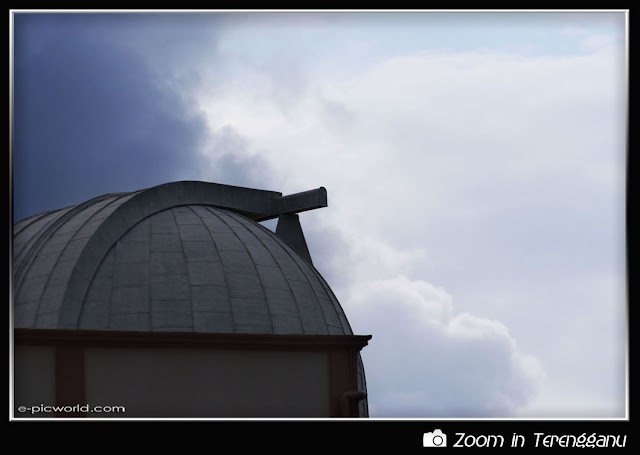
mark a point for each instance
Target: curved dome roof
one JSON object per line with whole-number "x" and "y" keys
{"x": 177, "y": 257}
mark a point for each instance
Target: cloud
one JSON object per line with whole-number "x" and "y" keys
{"x": 90, "y": 116}
{"x": 426, "y": 361}
{"x": 484, "y": 173}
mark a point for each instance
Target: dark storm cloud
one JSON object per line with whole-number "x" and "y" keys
{"x": 90, "y": 117}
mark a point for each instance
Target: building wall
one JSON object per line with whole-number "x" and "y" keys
{"x": 182, "y": 374}
{"x": 170, "y": 382}
{"x": 166, "y": 382}
{"x": 34, "y": 380}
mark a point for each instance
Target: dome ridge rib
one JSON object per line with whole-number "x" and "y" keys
{"x": 48, "y": 218}
{"x": 242, "y": 222}
{"x": 24, "y": 263}
{"x": 288, "y": 250}
{"x": 53, "y": 301}
{"x": 262, "y": 286}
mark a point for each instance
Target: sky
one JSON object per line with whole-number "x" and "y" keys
{"x": 475, "y": 164}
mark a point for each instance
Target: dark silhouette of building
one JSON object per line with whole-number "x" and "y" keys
{"x": 174, "y": 301}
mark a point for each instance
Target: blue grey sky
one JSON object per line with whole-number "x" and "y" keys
{"x": 475, "y": 164}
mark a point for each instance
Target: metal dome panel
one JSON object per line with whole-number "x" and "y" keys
{"x": 167, "y": 258}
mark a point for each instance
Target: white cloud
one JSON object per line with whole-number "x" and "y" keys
{"x": 488, "y": 174}
{"x": 425, "y": 361}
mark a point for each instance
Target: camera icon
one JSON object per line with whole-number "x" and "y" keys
{"x": 435, "y": 439}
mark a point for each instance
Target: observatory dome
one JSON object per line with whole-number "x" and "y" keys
{"x": 170, "y": 258}
{"x": 179, "y": 257}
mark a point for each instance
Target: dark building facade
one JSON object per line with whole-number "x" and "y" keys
{"x": 174, "y": 301}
